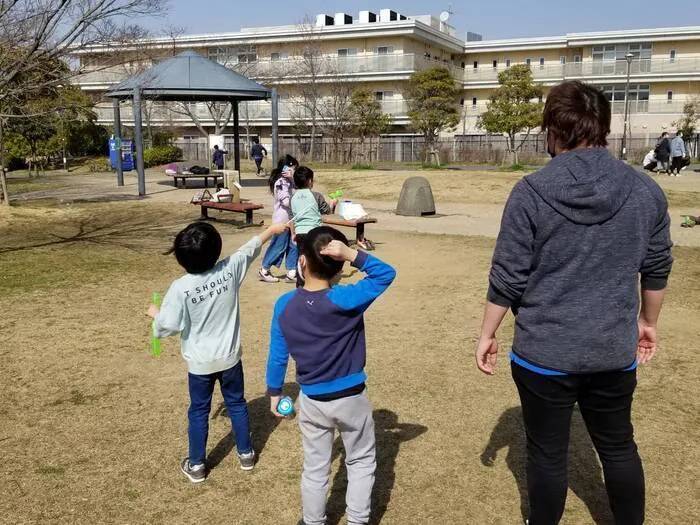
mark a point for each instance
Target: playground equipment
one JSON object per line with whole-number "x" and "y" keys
{"x": 416, "y": 199}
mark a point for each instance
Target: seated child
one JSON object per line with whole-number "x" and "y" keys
{"x": 202, "y": 306}
{"x": 322, "y": 327}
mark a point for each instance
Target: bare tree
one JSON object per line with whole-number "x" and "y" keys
{"x": 37, "y": 38}
{"x": 336, "y": 117}
{"x": 310, "y": 68}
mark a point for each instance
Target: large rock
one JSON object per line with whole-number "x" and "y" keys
{"x": 416, "y": 198}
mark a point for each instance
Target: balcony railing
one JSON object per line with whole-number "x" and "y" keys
{"x": 558, "y": 72}
{"x": 618, "y": 107}
{"x": 325, "y": 68}
{"x": 249, "y": 111}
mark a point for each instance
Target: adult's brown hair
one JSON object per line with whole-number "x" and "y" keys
{"x": 577, "y": 115}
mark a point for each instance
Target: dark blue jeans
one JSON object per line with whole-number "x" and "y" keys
{"x": 201, "y": 390}
{"x": 605, "y": 401}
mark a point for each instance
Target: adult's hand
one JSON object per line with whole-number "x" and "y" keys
{"x": 487, "y": 355}
{"x": 647, "y": 344}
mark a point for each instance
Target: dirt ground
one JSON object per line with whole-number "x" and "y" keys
{"x": 94, "y": 427}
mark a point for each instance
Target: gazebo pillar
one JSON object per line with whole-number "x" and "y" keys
{"x": 138, "y": 138}
{"x": 118, "y": 143}
{"x": 275, "y": 129}
{"x": 236, "y": 140}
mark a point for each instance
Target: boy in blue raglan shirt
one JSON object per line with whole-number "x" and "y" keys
{"x": 202, "y": 306}
{"x": 322, "y": 327}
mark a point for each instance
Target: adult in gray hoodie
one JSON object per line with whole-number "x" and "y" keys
{"x": 577, "y": 239}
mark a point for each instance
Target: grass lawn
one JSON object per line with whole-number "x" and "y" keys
{"x": 94, "y": 427}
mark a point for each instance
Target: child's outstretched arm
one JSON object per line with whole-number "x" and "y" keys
{"x": 360, "y": 295}
{"x": 278, "y": 357}
{"x": 242, "y": 258}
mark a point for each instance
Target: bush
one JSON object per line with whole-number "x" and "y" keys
{"x": 161, "y": 155}
{"x": 361, "y": 166}
{"x": 99, "y": 165}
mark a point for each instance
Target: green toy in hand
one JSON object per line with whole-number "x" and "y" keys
{"x": 155, "y": 342}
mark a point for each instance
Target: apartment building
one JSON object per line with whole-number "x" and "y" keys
{"x": 380, "y": 51}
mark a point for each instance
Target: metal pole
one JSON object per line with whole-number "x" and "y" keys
{"x": 118, "y": 142}
{"x": 236, "y": 140}
{"x": 275, "y": 128}
{"x": 3, "y": 181}
{"x": 623, "y": 145}
{"x": 138, "y": 137}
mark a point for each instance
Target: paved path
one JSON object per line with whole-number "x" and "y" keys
{"x": 451, "y": 219}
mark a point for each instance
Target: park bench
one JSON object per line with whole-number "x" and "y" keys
{"x": 183, "y": 176}
{"x": 358, "y": 224}
{"x": 239, "y": 207}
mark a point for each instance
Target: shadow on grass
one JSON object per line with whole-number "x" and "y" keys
{"x": 585, "y": 474}
{"x": 262, "y": 424}
{"x": 390, "y": 435}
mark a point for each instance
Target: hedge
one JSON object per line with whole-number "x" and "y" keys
{"x": 160, "y": 155}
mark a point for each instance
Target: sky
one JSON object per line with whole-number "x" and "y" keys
{"x": 506, "y": 19}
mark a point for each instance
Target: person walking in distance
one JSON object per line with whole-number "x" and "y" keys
{"x": 677, "y": 154}
{"x": 577, "y": 240}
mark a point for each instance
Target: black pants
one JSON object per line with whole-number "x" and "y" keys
{"x": 605, "y": 401}
{"x": 676, "y": 164}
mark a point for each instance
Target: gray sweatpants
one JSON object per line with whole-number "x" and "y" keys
{"x": 352, "y": 416}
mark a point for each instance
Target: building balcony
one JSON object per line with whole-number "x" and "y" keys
{"x": 257, "y": 113}
{"x": 652, "y": 107}
{"x": 599, "y": 70}
{"x": 325, "y": 68}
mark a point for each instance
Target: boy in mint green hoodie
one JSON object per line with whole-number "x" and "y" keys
{"x": 202, "y": 306}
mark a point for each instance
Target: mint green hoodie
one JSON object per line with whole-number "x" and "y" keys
{"x": 305, "y": 211}
{"x": 203, "y": 308}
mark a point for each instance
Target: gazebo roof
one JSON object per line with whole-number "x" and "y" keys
{"x": 191, "y": 77}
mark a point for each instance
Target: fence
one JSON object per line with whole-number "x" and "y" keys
{"x": 460, "y": 149}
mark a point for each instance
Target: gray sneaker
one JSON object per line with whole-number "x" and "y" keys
{"x": 195, "y": 473}
{"x": 266, "y": 277}
{"x": 247, "y": 460}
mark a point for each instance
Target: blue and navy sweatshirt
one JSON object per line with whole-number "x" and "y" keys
{"x": 324, "y": 331}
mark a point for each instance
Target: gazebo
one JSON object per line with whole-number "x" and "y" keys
{"x": 187, "y": 77}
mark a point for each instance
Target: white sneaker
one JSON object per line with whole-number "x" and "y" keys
{"x": 291, "y": 276}
{"x": 266, "y": 277}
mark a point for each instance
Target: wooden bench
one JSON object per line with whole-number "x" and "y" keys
{"x": 358, "y": 224}
{"x": 184, "y": 176}
{"x": 240, "y": 207}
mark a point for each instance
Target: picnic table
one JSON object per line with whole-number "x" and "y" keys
{"x": 184, "y": 176}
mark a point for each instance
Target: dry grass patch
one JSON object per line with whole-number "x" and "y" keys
{"x": 94, "y": 427}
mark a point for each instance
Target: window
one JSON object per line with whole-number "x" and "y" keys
{"x": 669, "y": 96}
{"x": 278, "y": 56}
{"x": 528, "y": 61}
{"x": 638, "y": 97}
{"x": 474, "y": 101}
{"x": 641, "y": 51}
{"x": 507, "y": 62}
{"x": 247, "y": 55}
{"x": 461, "y": 102}
{"x": 672, "y": 55}
{"x": 347, "y": 52}
{"x": 495, "y": 64}
{"x": 476, "y": 64}
{"x": 385, "y": 50}
{"x": 577, "y": 59}
{"x": 222, "y": 55}
{"x": 562, "y": 60}
{"x": 539, "y": 99}
{"x": 541, "y": 61}
{"x": 383, "y": 95}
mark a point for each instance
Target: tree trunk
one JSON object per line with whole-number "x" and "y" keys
{"x": 313, "y": 138}
{"x": 3, "y": 181}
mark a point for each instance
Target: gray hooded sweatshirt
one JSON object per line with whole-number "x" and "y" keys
{"x": 575, "y": 238}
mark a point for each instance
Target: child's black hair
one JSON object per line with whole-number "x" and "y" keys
{"x": 322, "y": 266}
{"x": 275, "y": 174}
{"x": 197, "y": 247}
{"x": 302, "y": 177}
